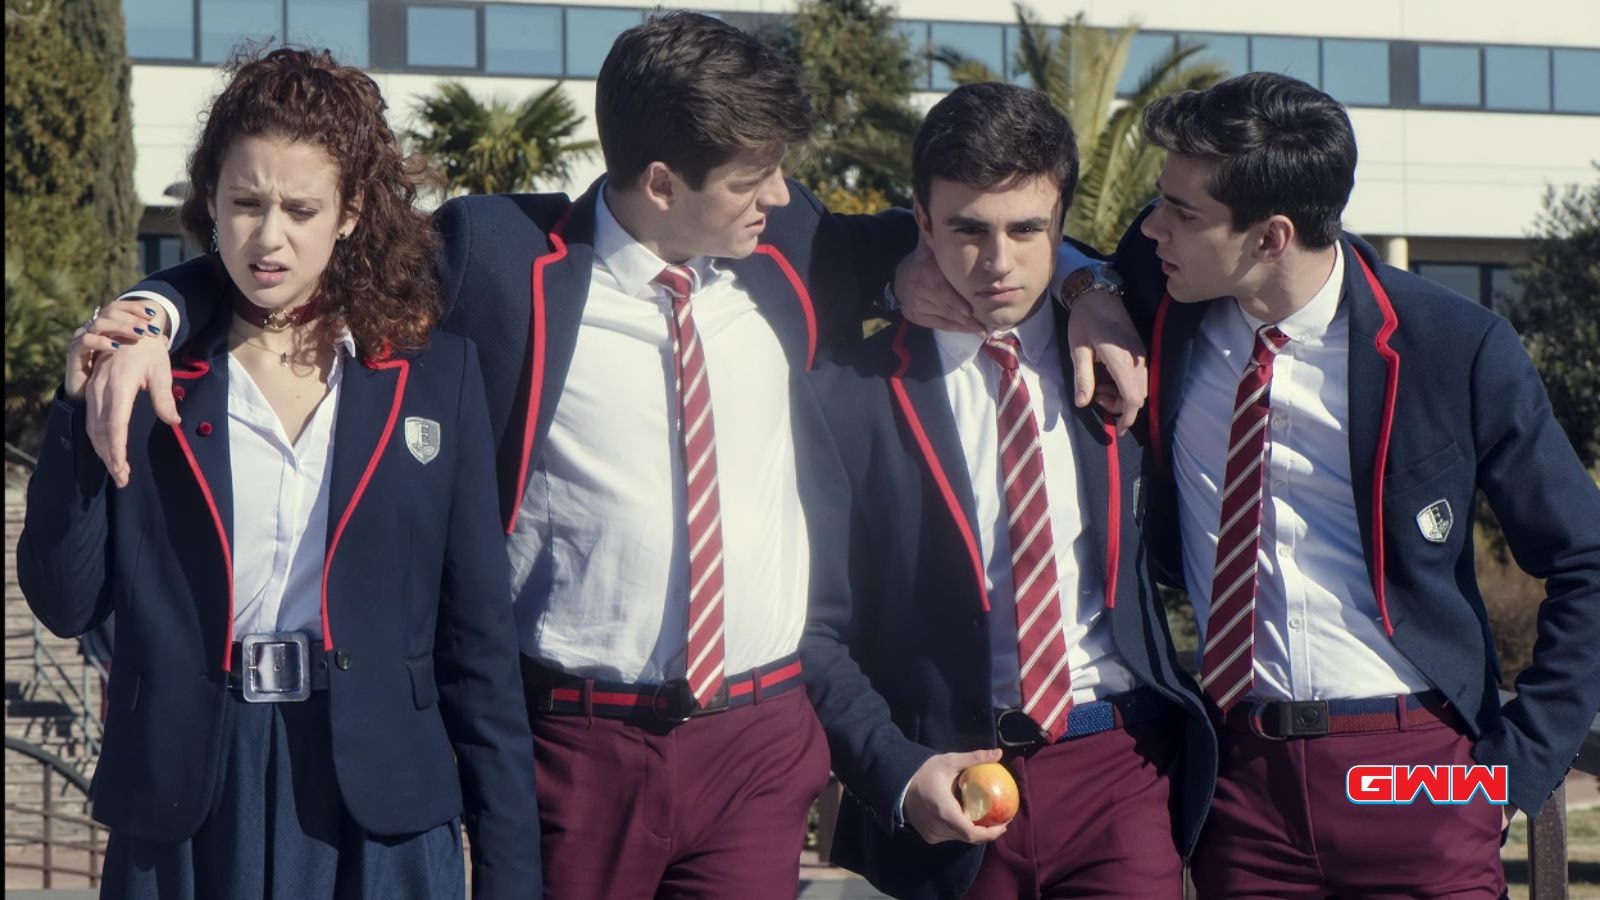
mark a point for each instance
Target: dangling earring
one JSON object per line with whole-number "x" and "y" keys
{"x": 213, "y": 239}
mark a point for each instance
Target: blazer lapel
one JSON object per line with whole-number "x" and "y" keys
{"x": 783, "y": 299}
{"x": 1172, "y": 346}
{"x": 1376, "y": 350}
{"x": 369, "y": 406}
{"x": 558, "y": 291}
{"x": 917, "y": 387}
{"x": 1090, "y": 446}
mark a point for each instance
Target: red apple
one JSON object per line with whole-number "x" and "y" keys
{"x": 988, "y": 794}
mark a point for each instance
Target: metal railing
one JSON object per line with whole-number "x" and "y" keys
{"x": 49, "y": 842}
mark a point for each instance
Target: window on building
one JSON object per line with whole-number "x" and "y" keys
{"x": 1577, "y": 77}
{"x": 1516, "y": 77}
{"x": 915, "y": 34}
{"x": 1015, "y": 73}
{"x": 341, "y": 26}
{"x": 1143, "y": 53}
{"x": 443, "y": 37}
{"x": 590, "y": 34}
{"x": 1448, "y": 76}
{"x": 1286, "y": 56}
{"x": 160, "y": 29}
{"x": 1356, "y": 72}
{"x": 1465, "y": 279}
{"x": 1230, "y": 51}
{"x": 163, "y": 251}
{"x": 522, "y": 40}
{"x": 982, "y": 43}
{"x": 226, "y": 24}
{"x": 1505, "y": 290}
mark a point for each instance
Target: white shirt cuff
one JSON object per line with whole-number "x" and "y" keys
{"x": 173, "y": 320}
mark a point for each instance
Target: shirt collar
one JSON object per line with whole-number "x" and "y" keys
{"x": 346, "y": 342}
{"x": 632, "y": 264}
{"x": 1036, "y": 334}
{"x": 1309, "y": 323}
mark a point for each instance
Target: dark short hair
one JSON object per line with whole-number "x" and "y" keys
{"x": 693, "y": 92}
{"x": 987, "y": 134}
{"x": 1281, "y": 147}
{"x": 380, "y": 282}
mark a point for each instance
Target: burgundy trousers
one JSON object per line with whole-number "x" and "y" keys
{"x": 713, "y": 808}
{"x": 1095, "y": 820}
{"x": 1281, "y": 825}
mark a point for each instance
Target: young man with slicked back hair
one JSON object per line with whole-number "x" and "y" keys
{"x": 1324, "y": 425}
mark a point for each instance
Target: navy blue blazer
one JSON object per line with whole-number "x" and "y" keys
{"x": 1444, "y": 403}
{"x": 515, "y": 272}
{"x": 427, "y": 715}
{"x": 897, "y": 651}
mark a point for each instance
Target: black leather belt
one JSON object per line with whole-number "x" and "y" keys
{"x": 1281, "y": 720}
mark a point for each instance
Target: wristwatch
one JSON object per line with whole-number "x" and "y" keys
{"x": 1096, "y": 276}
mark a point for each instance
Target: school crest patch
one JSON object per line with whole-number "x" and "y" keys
{"x": 422, "y": 438}
{"x": 1435, "y": 521}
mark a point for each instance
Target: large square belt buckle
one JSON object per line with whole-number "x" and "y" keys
{"x": 674, "y": 701}
{"x": 277, "y": 667}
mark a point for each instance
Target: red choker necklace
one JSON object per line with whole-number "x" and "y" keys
{"x": 276, "y": 319}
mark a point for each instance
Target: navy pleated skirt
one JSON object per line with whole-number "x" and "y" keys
{"x": 279, "y": 830}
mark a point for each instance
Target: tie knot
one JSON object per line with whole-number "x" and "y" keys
{"x": 1269, "y": 341}
{"x": 1003, "y": 350}
{"x": 679, "y": 281}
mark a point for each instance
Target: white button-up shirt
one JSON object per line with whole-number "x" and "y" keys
{"x": 280, "y": 505}
{"x": 1318, "y": 634}
{"x": 972, "y": 381}
{"x": 599, "y": 555}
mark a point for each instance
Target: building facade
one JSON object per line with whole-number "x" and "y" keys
{"x": 1465, "y": 110}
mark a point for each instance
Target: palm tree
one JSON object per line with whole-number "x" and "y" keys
{"x": 478, "y": 148}
{"x": 1078, "y": 69}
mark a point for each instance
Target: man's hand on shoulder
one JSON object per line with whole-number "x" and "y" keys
{"x": 116, "y": 379}
{"x": 932, "y": 807}
{"x": 1108, "y": 357}
{"x": 927, "y": 299}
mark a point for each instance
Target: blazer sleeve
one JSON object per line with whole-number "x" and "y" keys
{"x": 62, "y": 556}
{"x": 1549, "y": 509}
{"x": 872, "y": 245}
{"x": 475, "y": 658}
{"x": 871, "y": 755}
{"x": 191, "y": 287}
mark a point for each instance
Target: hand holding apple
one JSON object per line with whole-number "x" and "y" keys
{"x": 932, "y": 807}
{"x": 988, "y": 794}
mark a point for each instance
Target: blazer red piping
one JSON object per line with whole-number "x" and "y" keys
{"x": 800, "y": 291}
{"x": 197, "y": 368}
{"x": 536, "y": 374}
{"x": 1113, "y": 509}
{"x": 932, "y": 460}
{"x": 361, "y": 487}
{"x": 1391, "y": 389}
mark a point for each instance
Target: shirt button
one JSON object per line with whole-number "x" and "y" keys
{"x": 1278, "y": 484}
{"x": 1294, "y": 624}
{"x": 341, "y": 658}
{"x": 1285, "y": 551}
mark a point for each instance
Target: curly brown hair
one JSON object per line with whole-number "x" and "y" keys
{"x": 381, "y": 282}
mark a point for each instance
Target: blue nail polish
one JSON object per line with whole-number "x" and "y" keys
{"x": 115, "y": 345}
{"x": 138, "y": 330}
{"x": 149, "y": 312}
{"x": 155, "y": 329}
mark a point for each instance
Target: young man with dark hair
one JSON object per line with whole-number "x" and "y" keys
{"x": 978, "y": 578}
{"x": 1323, "y": 428}
{"x": 638, "y": 347}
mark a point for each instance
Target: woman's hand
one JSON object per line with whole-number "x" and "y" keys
{"x": 109, "y": 329}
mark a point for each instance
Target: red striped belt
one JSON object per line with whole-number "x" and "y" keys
{"x": 553, "y": 692}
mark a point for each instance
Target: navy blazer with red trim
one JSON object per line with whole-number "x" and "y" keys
{"x": 426, "y": 709}
{"x": 896, "y": 651}
{"x": 1444, "y": 403}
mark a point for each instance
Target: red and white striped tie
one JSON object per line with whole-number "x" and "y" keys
{"x": 1228, "y": 667}
{"x": 1041, "y": 646}
{"x": 698, "y": 437}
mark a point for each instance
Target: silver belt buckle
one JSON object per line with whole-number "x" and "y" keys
{"x": 277, "y": 667}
